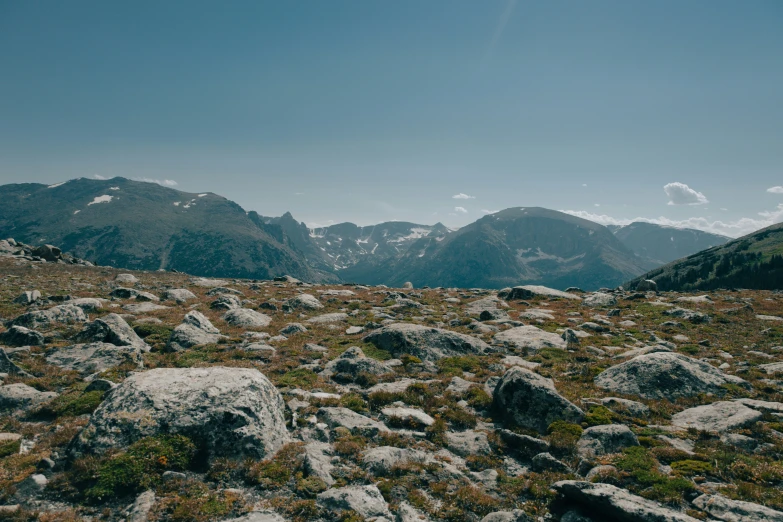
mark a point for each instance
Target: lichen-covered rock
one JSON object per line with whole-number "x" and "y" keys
{"x": 607, "y": 502}
{"x": 19, "y": 397}
{"x": 21, "y": 336}
{"x": 65, "y": 313}
{"x": 180, "y": 295}
{"x": 428, "y": 344}
{"x": 112, "y": 329}
{"x": 602, "y": 440}
{"x": 246, "y": 318}
{"x": 529, "y": 400}
{"x": 529, "y": 338}
{"x": 91, "y": 358}
{"x": 730, "y": 510}
{"x": 231, "y": 412}
{"x": 195, "y": 330}
{"x": 717, "y": 417}
{"x": 352, "y": 362}
{"x": 367, "y": 501}
{"x": 383, "y": 459}
{"x": 350, "y": 420}
{"x": 599, "y": 299}
{"x": 304, "y": 302}
{"x": 664, "y": 375}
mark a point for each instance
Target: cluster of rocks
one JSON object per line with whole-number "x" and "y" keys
{"x": 39, "y": 254}
{"x": 464, "y": 378}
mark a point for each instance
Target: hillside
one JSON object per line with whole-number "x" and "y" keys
{"x": 753, "y": 261}
{"x": 659, "y": 244}
{"x": 520, "y": 246}
{"x": 144, "y": 226}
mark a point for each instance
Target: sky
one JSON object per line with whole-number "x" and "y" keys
{"x": 444, "y": 110}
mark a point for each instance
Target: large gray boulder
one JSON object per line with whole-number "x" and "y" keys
{"x": 603, "y": 440}
{"x": 112, "y": 329}
{"x": 180, "y": 295}
{"x": 195, "y": 330}
{"x": 664, "y": 375}
{"x": 607, "y": 502}
{"x": 426, "y": 343}
{"x": 367, "y": 501}
{"x": 21, "y": 336}
{"x": 529, "y": 400}
{"x": 91, "y": 358}
{"x": 529, "y": 338}
{"x": 246, "y": 318}
{"x": 718, "y": 417}
{"x": 65, "y": 313}
{"x": 304, "y": 302}
{"x": 729, "y": 510}
{"x": 232, "y": 412}
{"x": 19, "y": 397}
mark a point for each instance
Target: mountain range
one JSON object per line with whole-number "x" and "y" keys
{"x": 145, "y": 226}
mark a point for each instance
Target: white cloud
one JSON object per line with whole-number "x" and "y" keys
{"x": 682, "y": 194}
{"x": 485, "y": 211}
{"x": 162, "y": 182}
{"x": 98, "y": 176}
{"x": 462, "y": 196}
{"x": 775, "y": 190}
{"x": 461, "y": 210}
{"x": 584, "y": 184}
{"x": 596, "y": 204}
{"x": 737, "y": 228}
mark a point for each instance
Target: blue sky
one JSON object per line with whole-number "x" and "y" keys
{"x": 372, "y": 111}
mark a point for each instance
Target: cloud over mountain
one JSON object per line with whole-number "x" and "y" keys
{"x": 682, "y": 194}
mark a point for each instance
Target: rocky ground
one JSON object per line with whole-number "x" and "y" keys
{"x": 158, "y": 396}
